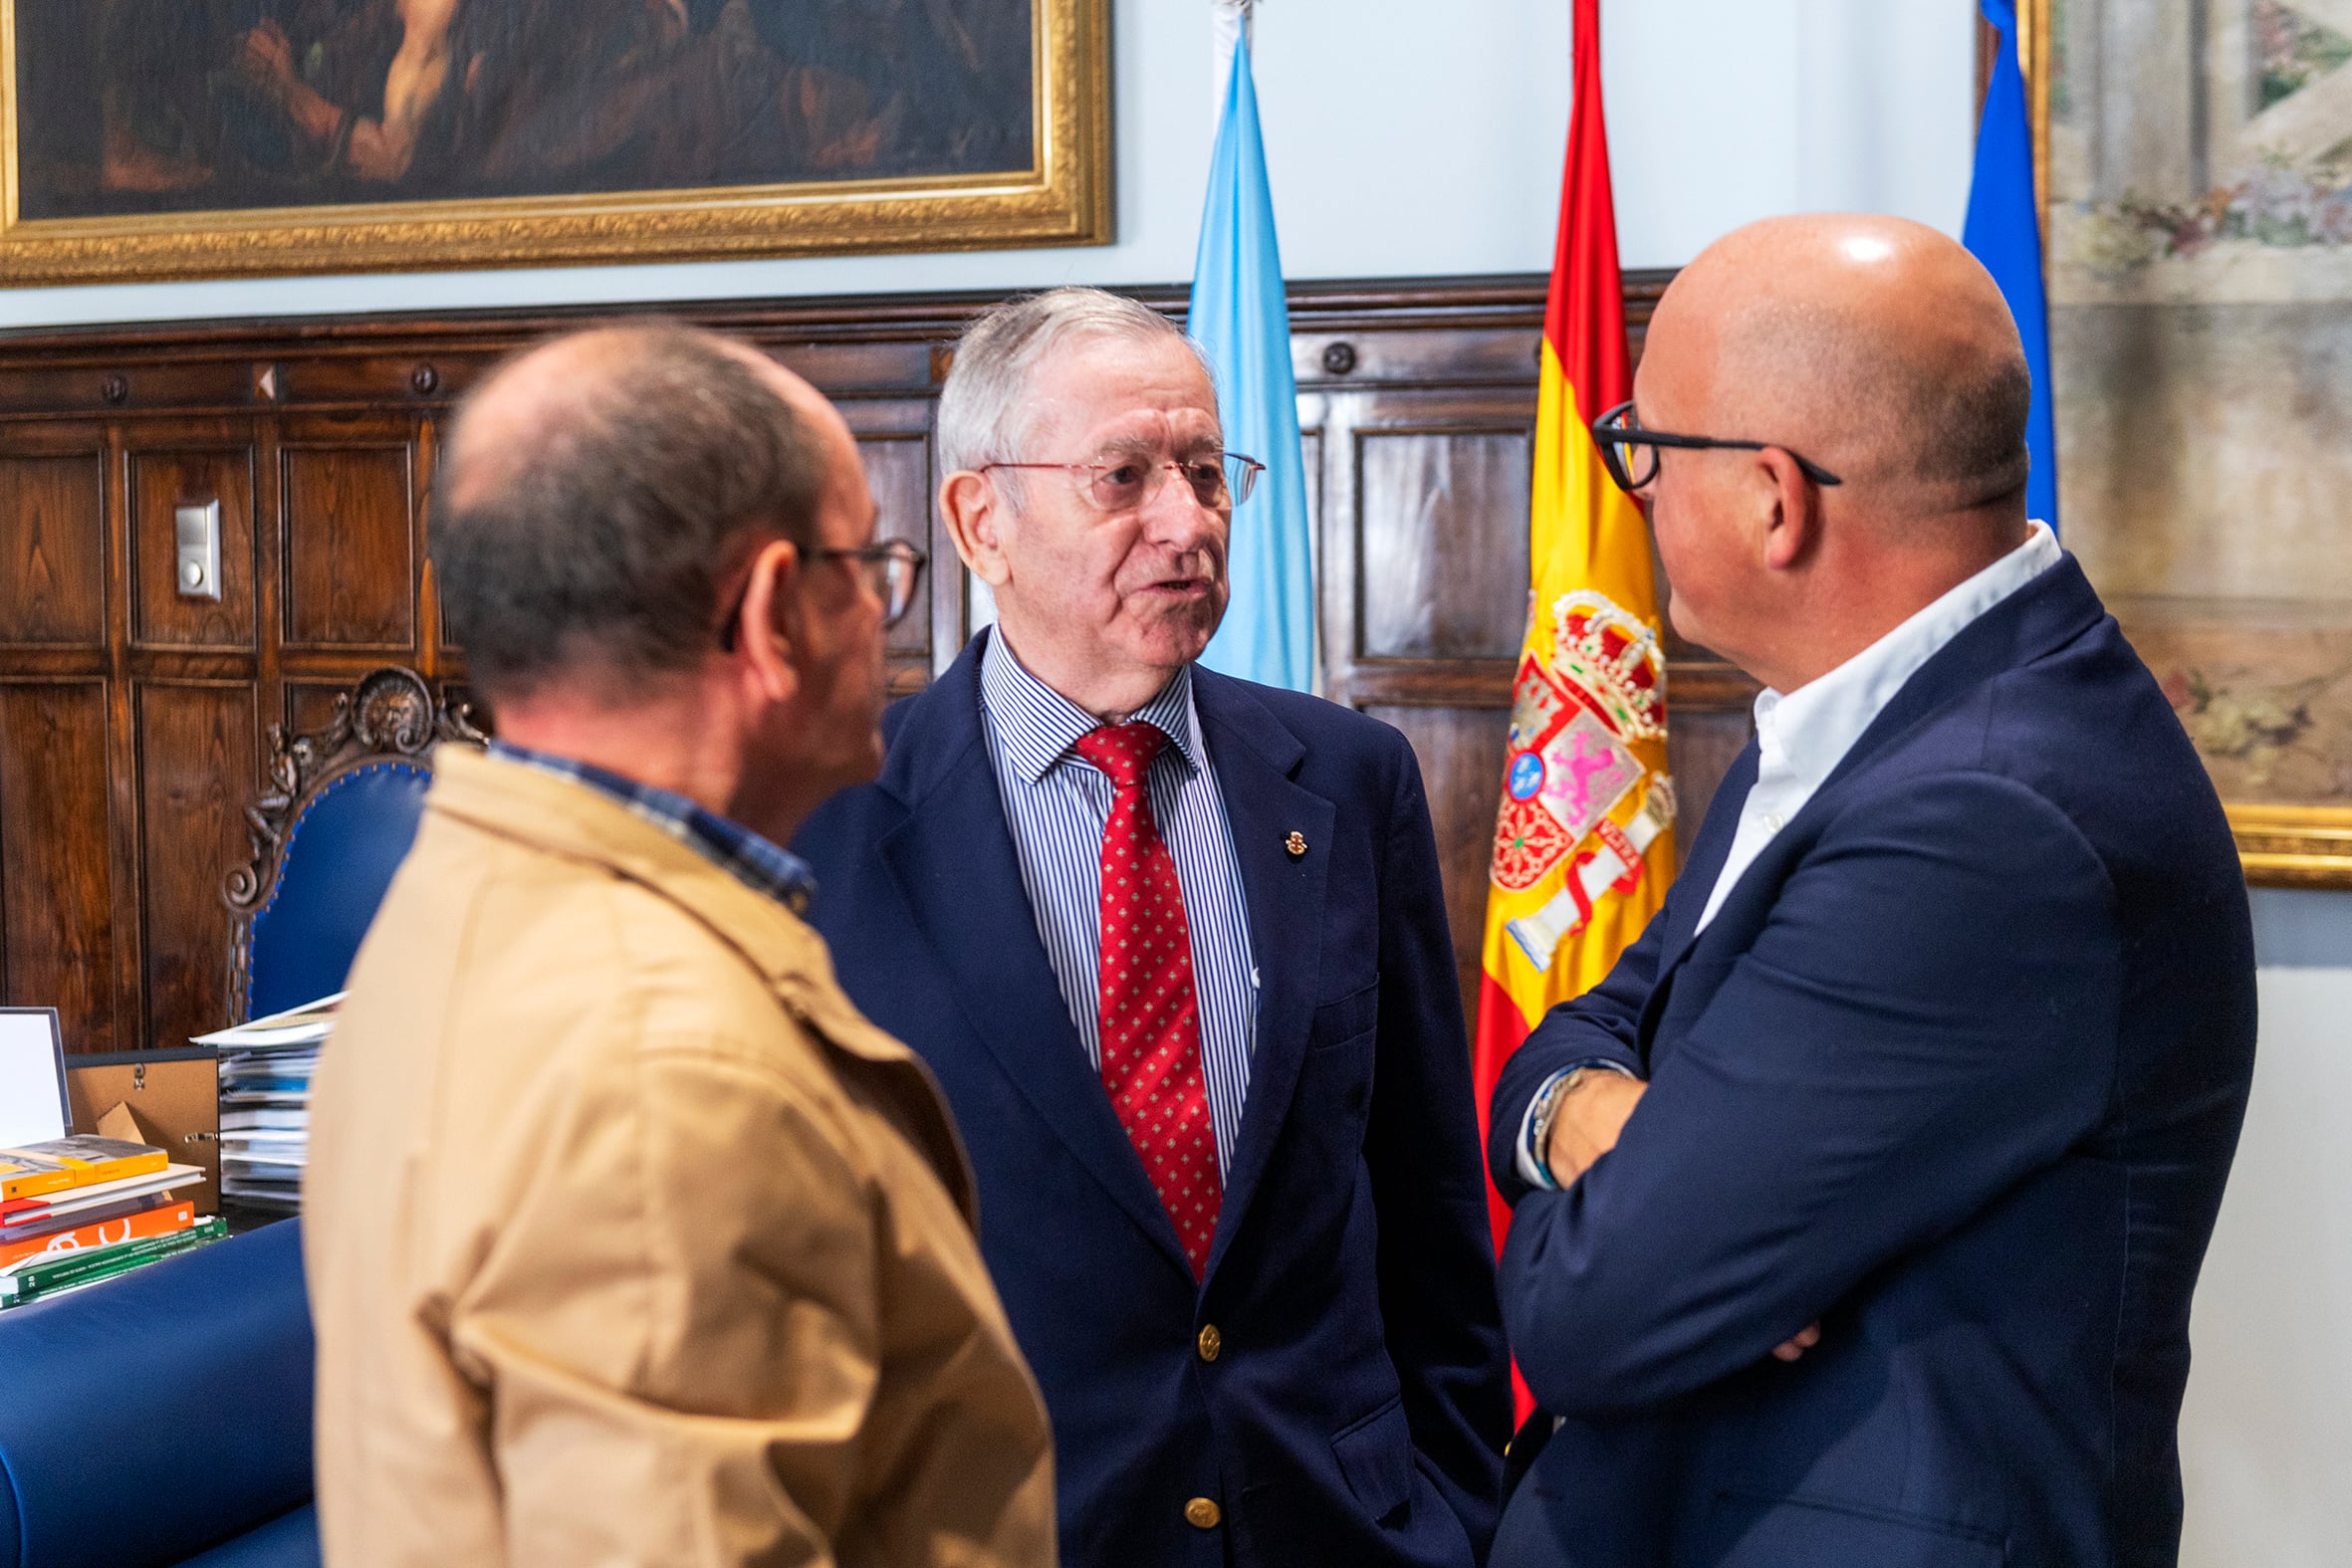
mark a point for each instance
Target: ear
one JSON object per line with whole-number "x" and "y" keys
{"x": 768, "y": 633}
{"x": 975, "y": 510}
{"x": 1790, "y": 510}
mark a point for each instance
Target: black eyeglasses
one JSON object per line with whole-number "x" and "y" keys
{"x": 1122, "y": 483}
{"x": 1630, "y": 453}
{"x": 889, "y": 570}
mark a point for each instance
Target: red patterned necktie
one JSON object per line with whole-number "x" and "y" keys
{"x": 1149, "y": 1017}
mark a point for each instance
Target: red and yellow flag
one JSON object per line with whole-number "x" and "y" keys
{"x": 1584, "y": 842}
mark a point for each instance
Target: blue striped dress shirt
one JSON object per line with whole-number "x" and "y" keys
{"x": 1056, "y": 804}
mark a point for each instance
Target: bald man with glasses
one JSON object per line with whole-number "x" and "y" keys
{"x": 1859, "y": 1209}
{"x": 1176, "y": 948}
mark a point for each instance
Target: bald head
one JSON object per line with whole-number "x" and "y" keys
{"x": 1882, "y": 353}
{"x": 596, "y": 491}
{"x": 1878, "y": 347}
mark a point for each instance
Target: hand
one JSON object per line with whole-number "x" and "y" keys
{"x": 266, "y": 57}
{"x": 1804, "y": 1340}
{"x": 1588, "y": 1120}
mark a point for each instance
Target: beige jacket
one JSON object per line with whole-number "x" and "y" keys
{"x": 629, "y": 1240}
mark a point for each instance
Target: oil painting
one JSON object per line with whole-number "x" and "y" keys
{"x": 162, "y": 137}
{"x": 2200, "y": 206}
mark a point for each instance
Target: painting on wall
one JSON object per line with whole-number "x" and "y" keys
{"x": 2200, "y": 202}
{"x": 161, "y": 138}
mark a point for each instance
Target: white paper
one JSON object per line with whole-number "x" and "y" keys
{"x": 32, "y": 1101}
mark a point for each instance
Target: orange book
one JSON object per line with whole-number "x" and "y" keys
{"x": 40, "y": 1169}
{"x": 106, "y": 1233}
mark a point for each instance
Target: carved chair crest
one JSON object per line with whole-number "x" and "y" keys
{"x": 390, "y": 715}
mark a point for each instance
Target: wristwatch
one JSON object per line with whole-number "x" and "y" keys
{"x": 1540, "y": 1115}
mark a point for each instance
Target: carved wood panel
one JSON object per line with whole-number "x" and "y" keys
{"x": 194, "y": 740}
{"x": 349, "y": 529}
{"x": 1442, "y": 569}
{"x": 169, "y": 469}
{"x": 53, "y": 549}
{"x": 57, "y": 899}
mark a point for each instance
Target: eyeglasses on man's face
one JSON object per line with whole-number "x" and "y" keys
{"x": 1219, "y": 480}
{"x": 890, "y": 570}
{"x": 1630, "y": 453}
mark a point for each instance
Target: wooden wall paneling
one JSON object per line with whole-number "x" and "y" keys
{"x": 197, "y": 752}
{"x": 57, "y": 899}
{"x": 168, "y": 463}
{"x": 124, "y": 872}
{"x": 442, "y": 646}
{"x": 53, "y": 549}
{"x": 894, "y": 439}
{"x": 1442, "y": 569}
{"x": 347, "y": 531}
{"x": 1460, "y": 752}
{"x": 1417, "y": 399}
{"x": 308, "y": 705}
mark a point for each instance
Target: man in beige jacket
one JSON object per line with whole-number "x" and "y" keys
{"x": 629, "y": 1240}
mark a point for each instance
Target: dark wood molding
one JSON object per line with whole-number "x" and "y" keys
{"x": 425, "y": 360}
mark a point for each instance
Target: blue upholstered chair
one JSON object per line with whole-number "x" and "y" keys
{"x": 328, "y": 838}
{"x": 165, "y": 1418}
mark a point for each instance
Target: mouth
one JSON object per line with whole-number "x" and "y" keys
{"x": 1180, "y": 589}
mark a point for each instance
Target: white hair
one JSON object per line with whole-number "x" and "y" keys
{"x": 984, "y": 410}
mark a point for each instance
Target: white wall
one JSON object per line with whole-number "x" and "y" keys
{"x": 1403, "y": 139}
{"x": 2267, "y": 1433}
{"x": 1407, "y": 138}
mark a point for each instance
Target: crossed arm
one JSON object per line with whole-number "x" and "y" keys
{"x": 1926, "y": 1016}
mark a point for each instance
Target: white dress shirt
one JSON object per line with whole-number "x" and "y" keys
{"x": 1801, "y": 737}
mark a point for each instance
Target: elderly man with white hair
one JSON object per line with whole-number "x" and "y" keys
{"x": 1175, "y": 946}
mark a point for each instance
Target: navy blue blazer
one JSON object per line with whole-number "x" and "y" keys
{"x": 1957, "y": 1071}
{"x": 1354, "y": 1408}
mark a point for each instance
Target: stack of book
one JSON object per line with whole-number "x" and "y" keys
{"x": 74, "y": 1211}
{"x": 265, "y": 1101}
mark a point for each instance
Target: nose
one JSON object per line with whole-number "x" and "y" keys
{"x": 1175, "y": 518}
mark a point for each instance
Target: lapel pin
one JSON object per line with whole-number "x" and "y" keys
{"x": 1296, "y": 846}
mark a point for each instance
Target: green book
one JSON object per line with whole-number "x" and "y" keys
{"x": 48, "y": 1277}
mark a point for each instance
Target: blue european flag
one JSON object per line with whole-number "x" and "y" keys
{"x": 2003, "y": 231}
{"x": 1239, "y": 316}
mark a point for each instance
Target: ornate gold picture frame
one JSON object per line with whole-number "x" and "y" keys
{"x": 214, "y": 139}
{"x": 2196, "y": 182}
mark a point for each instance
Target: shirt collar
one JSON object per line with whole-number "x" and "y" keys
{"x": 1804, "y": 734}
{"x": 1037, "y": 726}
{"x": 764, "y": 867}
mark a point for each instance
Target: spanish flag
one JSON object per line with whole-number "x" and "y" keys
{"x": 1583, "y": 842}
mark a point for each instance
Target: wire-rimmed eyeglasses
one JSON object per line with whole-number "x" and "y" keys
{"x": 890, "y": 570}
{"x": 1630, "y": 453}
{"x": 1120, "y": 484}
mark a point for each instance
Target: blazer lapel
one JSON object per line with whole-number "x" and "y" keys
{"x": 2046, "y": 614}
{"x": 953, "y": 862}
{"x": 1696, "y": 881}
{"x": 1255, "y": 755}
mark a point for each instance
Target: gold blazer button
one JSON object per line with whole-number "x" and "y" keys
{"x": 1212, "y": 1342}
{"x": 1202, "y": 1513}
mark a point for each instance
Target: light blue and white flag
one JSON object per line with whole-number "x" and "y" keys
{"x": 2003, "y": 231}
{"x": 1239, "y": 316}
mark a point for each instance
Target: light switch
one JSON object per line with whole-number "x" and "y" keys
{"x": 197, "y": 526}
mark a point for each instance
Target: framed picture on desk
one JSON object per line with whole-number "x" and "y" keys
{"x": 33, "y": 1102}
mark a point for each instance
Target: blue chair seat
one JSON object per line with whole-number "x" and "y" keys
{"x": 162, "y": 1414}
